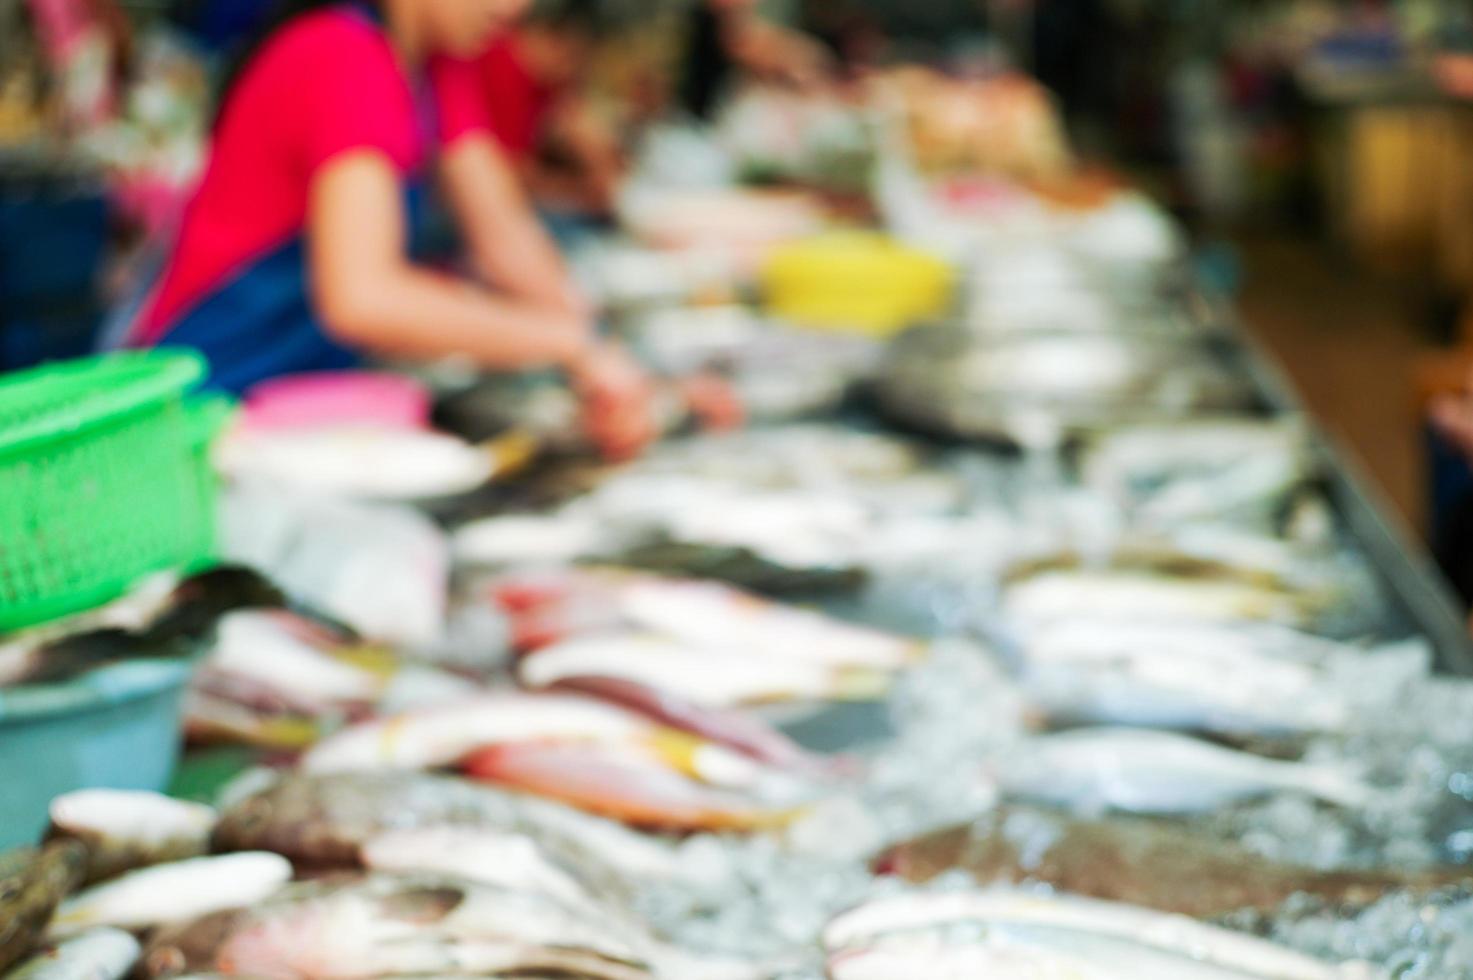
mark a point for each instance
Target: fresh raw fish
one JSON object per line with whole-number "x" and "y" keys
{"x": 276, "y": 680}
{"x": 306, "y": 665}
{"x": 124, "y": 830}
{"x": 507, "y": 860}
{"x": 1145, "y": 596}
{"x": 151, "y": 621}
{"x": 630, "y": 786}
{"x": 386, "y": 925}
{"x": 1165, "y": 676}
{"x": 934, "y": 959}
{"x": 1021, "y": 953}
{"x": 736, "y": 730}
{"x": 1085, "y": 640}
{"x": 211, "y": 718}
{"x": 445, "y": 735}
{"x": 555, "y": 605}
{"x": 715, "y": 676}
{"x": 1037, "y": 951}
{"x": 1146, "y": 863}
{"x": 523, "y": 540}
{"x": 99, "y": 954}
{"x": 200, "y": 601}
{"x": 744, "y": 569}
{"x": 1091, "y": 770}
{"x": 31, "y": 888}
{"x": 363, "y": 462}
{"x": 1182, "y": 471}
{"x": 1172, "y": 934}
{"x": 329, "y": 820}
{"x": 812, "y": 454}
{"x": 794, "y": 528}
{"x": 1151, "y": 584}
{"x": 703, "y": 612}
{"x": 174, "y": 892}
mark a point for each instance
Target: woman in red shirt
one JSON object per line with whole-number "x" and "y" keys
{"x": 295, "y": 253}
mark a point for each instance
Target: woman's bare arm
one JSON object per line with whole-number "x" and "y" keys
{"x": 507, "y": 241}
{"x": 368, "y": 293}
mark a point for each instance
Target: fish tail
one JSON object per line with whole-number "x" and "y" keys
{"x": 1342, "y": 787}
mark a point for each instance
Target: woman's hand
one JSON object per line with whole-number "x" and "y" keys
{"x": 618, "y": 400}
{"x": 713, "y": 402}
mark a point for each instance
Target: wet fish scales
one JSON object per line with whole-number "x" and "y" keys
{"x": 1139, "y": 862}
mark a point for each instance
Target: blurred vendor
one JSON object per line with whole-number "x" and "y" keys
{"x": 532, "y": 79}
{"x": 295, "y": 252}
{"x": 729, "y": 40}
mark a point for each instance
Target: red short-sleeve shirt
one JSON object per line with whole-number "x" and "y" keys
{"x": 327, "y": 83}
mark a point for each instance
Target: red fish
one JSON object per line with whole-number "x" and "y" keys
{"x": 625, "y": 783}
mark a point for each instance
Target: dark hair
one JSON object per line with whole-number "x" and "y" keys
{"x": 585, "y": 17}
{"x": 280, "y": 15}
{"x": 707, "y": 68}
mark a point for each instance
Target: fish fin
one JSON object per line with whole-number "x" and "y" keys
{"x": 861, "y": 684}
{"x": 511, "y": 452}
{"x": 678, "y": 750}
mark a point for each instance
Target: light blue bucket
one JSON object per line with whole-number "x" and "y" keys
{"x": 116, "y": 728}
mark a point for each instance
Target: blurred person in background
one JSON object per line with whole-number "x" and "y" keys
{"x": 728, "y": 40}
{"x": 295, "y": 253}
{"x": 1450, "y": 459}
{"x": 532, "y": 78}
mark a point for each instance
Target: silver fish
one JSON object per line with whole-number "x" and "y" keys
{"x": 1165, "y": 676}
{"x": 1169, "y": 933}
{"x": 1138, "y": 771}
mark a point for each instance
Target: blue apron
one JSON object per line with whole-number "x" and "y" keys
{"x": 259, "y": 324}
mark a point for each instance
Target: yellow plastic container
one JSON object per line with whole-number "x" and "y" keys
{"x": 856, "y": 281}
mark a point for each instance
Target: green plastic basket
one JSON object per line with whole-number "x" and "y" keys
{"x": 104, "y": 477}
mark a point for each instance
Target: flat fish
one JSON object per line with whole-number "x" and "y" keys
{"x": 1134, "y": 770}
{"x": 1147, "y": 863}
